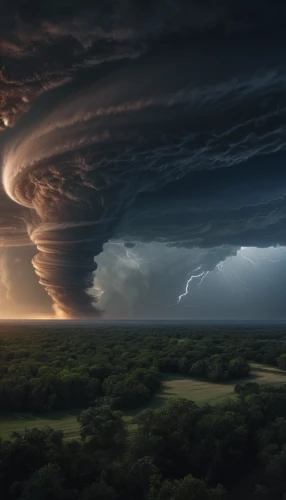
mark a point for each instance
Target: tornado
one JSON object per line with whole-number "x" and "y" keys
{"x": 78, "y": 168}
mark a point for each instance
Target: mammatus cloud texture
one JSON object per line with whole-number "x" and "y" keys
{"x": 140, "y": 121}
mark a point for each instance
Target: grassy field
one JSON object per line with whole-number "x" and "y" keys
{"x": 173, "y": 386}
{"x": 207, "y": 392}
{"x": 65, "y": 421}
{"x": 198, "y": 391}
{"x": 264, "y": 368}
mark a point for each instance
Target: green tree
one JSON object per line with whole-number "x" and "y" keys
{"x": 238, "y": 367}
{"x": 103, "y": 426}
{"x": 44, "y": 484}
{"x": 188, "y": 488}
{"x": 139, "y": 475}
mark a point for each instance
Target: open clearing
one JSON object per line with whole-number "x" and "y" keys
{"x": 198, "y": 391}
{"x": 173, "y": 386}
{"x": 208, "y": 392}
{"x": 65, "y": 421}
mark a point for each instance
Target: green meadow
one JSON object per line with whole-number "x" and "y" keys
{"x": 174, "y": 386}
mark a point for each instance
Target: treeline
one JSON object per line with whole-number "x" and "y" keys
{"x": 44, "y": 371}
{"x": 199, "y": 363}
{"x": 178, "y": 452}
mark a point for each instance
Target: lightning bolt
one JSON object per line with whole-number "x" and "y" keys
{"x": 201, "y": 275}
{"x": 250, "y": 258}
{"x": 255, "y": 265}
{"x": 220, "y": 268}
{"x": 251, "y": 261}
{"x": 101, "y": 292}
{"x": 271, "y": 260}
{"x": 134, "y": 259}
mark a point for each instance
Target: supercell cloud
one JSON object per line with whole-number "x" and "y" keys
{"x": 140, "y": 121}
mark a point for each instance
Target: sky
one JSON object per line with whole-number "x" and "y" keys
{"x": 143, "y": 150}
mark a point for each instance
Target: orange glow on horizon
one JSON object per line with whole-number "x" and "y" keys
{"x": 30, "y": 317}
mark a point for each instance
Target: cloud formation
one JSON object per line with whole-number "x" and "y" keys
{"x": 162, "y": 122}
{"x": 146, "y": 280}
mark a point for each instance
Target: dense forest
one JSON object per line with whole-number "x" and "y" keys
{"x": 181, "y": 451}
{"x": 65, "y": 370}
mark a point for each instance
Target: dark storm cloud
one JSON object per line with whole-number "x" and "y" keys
{"x": 243, "y": 205}
{"x": 44, "y": 45}
{"x": 168, "y": 125}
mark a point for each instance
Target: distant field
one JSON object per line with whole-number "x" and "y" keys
{"x": 173, "y": 386}
{"x": 264, "y": 368}
{"x": 208, "y": 392}
{"x": 198, "y": 391}
{"x": 65, "y": 421}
